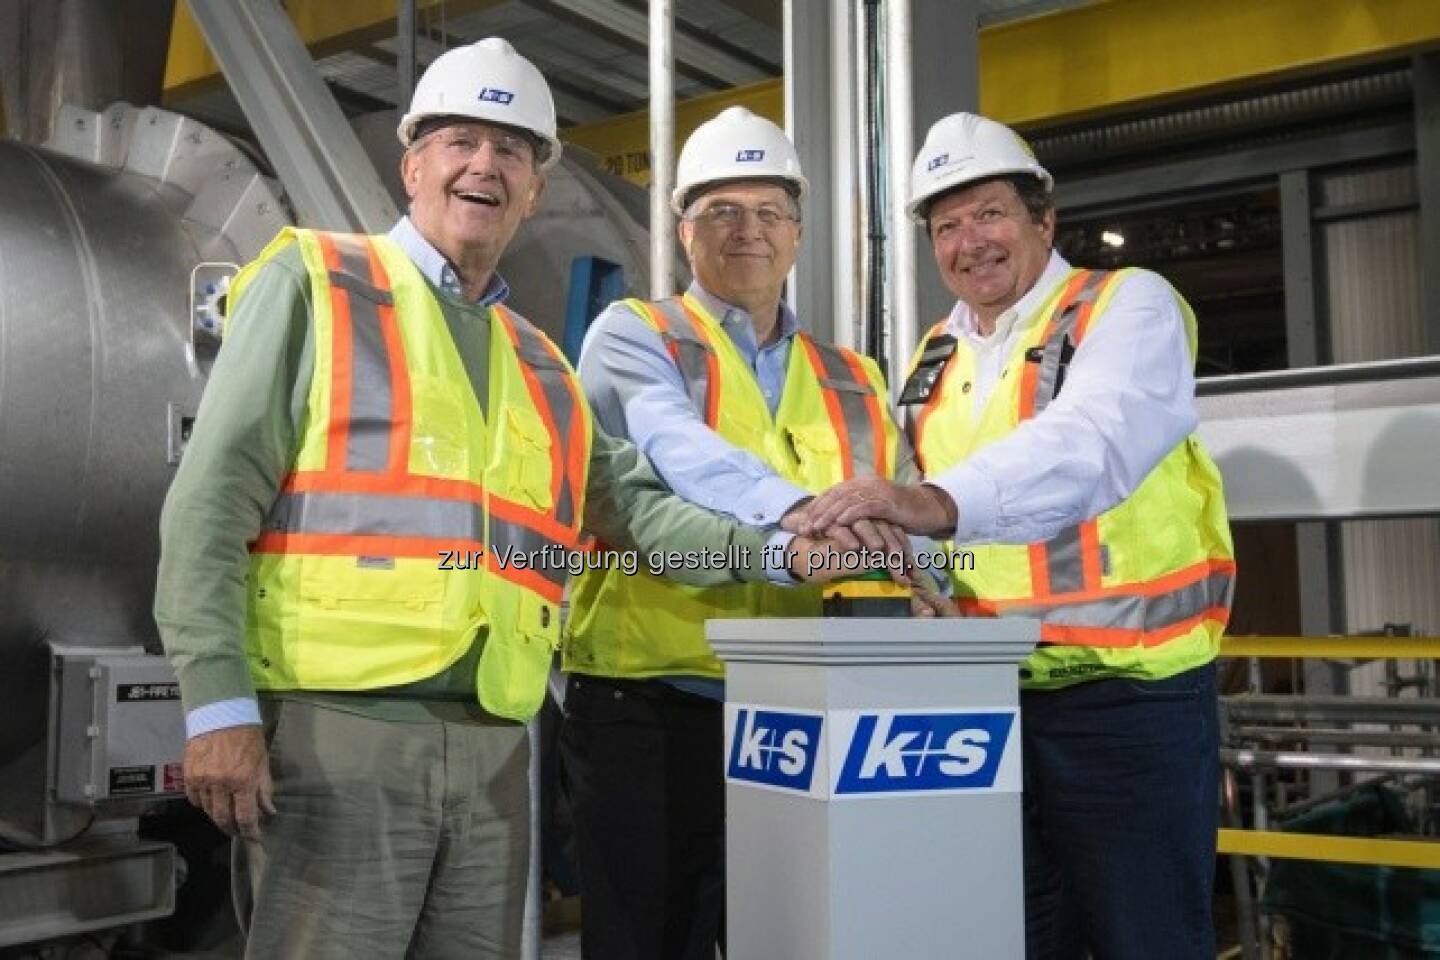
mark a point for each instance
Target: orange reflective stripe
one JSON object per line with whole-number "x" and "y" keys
{"x": 931, "y": 404}
{"x": 529, "y": 579}
{"x": 1090, "y": 554}
{"x": 832, "y": 406}
{"x": 712, "y": 366}
{"x": 340, "y": 373}
{"x": 1066, "y": 634}
{"x": 882, "y": 465}
{"x": 657, "y": 317}
{"x": 1039, "y": 571}
{"x": 541, "y": 402}
{"x": 543, "y": 524}
{"x": 409, "y": 485}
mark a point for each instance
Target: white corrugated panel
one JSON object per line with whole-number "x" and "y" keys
{"x": 1391, "y": 567}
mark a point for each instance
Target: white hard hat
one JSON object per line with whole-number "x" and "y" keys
{"x": 486, "y": 81}
{"x": 963, "y": 148}
{"x": 735, "y": 145}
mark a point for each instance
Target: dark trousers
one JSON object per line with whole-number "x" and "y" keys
{"x": 642, "y": 764}
{"x": 1121, "y": 781}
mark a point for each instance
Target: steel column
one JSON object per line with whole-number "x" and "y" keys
{"x": 326, "y": 173}
{"x": 662, "y": 148}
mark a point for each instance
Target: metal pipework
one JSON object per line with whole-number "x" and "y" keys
{"x": 662, "y": 147}
{"x": 900, "y": 130}
{"x": 1350, "y": 738}
{"x": 1287, "y": 709}
{"x": 1253, "y": 759}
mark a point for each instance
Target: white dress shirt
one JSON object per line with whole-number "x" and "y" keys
{"x": 1128, "y": 399}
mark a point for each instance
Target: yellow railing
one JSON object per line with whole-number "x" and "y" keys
{"x": 1370, "y": 851}
{"x": 1334, "y": 648}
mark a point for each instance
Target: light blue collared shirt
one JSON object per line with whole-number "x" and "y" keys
{"x": 636, "y": 391}
{"x": 241, "y": 711}
{"x": 438, "y": 270}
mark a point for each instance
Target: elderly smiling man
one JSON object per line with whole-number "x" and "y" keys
{"x": 376, "y": 410}
{"x": 742, "y": 412}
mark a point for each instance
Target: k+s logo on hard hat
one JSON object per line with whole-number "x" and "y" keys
{"x": 750, "y": 156}
{"x": 937, "y": 162}
{"x": 775, "y": 749}
{"x": 496, "y": 95}
{"x": 905, "y": 752}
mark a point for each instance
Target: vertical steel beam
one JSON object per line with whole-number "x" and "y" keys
{"x": 820, "y": 105}
{"x": 932, "y": 68}
{"x": 1317, "y": 544}
{"x": 405, "y": 48}
{"x": 326, "y": 173}
{"x": 1426, "y": 71}
{"x": 662, "y": 147}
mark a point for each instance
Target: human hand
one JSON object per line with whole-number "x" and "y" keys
{"x": 917, "y": 508}
{"x": 227, "y": 774}
{"x": 925, "y": 602}
{"x": 820, "y": 560}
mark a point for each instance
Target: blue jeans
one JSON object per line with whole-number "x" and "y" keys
{"x": 1121, "y": 798}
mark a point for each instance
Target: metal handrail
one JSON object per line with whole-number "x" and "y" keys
{"x": 1373, "y": 371}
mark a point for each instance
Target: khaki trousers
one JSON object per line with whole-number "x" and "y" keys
{"x": 391, "y": 839}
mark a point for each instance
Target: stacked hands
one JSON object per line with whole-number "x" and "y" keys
{"x": 874, "y": 518}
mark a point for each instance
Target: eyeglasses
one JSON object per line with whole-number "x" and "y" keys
{"x": 510, "y": 149}
{"x": 727, "y": 216}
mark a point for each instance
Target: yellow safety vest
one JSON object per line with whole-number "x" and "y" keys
{"x": 1143, "y": 590}
{"x": 831, "y": 424}
{"x": 407, "y": 522}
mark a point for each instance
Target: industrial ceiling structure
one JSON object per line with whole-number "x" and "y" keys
{"x": 591, "y": 51}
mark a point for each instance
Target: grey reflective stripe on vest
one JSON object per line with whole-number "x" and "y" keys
{"x": 1063, "y": 560}
{"x": 554, "y": 379}
{"x": 371, "y": 403}
{"x": 1136, "y": 611}
{"x": 839, "y": 378}
{"x": 1063, "y": 557}
{"x": 693, "y": 353}
{"x": 369, "y": 514}
{"x": 1064, "y": 328}
{"x": 518, "y": 547}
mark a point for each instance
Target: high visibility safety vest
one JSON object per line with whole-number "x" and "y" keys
{"x": 1143, "y": 590}
{"x": 395, "y": 535}
{"x": 831, "y": 424}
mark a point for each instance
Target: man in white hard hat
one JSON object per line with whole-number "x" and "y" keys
{"x": 1053, "y": 413}
{"x": 372, "y": 527}
{"x": 742, "y": 412}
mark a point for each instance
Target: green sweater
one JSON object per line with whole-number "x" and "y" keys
{"x": 245, "y": 439}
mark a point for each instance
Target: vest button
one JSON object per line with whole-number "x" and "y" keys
{"x": 965, "y": 387}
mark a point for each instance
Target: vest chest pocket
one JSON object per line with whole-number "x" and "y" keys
{"x": 522, "y": 455}
{"x": 817, "y": 450}
{"x": 440, "y": 445}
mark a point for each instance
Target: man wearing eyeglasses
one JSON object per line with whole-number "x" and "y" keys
{"x": 741, "y": 412}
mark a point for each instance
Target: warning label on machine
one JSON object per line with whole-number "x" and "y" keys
{"x": 126, "y": 780}
{"x": 132, "y": 692}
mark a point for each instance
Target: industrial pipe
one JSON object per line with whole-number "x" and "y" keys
{"x": 900, "y": 127}
{"x": 1249, "y": 759}
{"x": 662, "y": 147}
